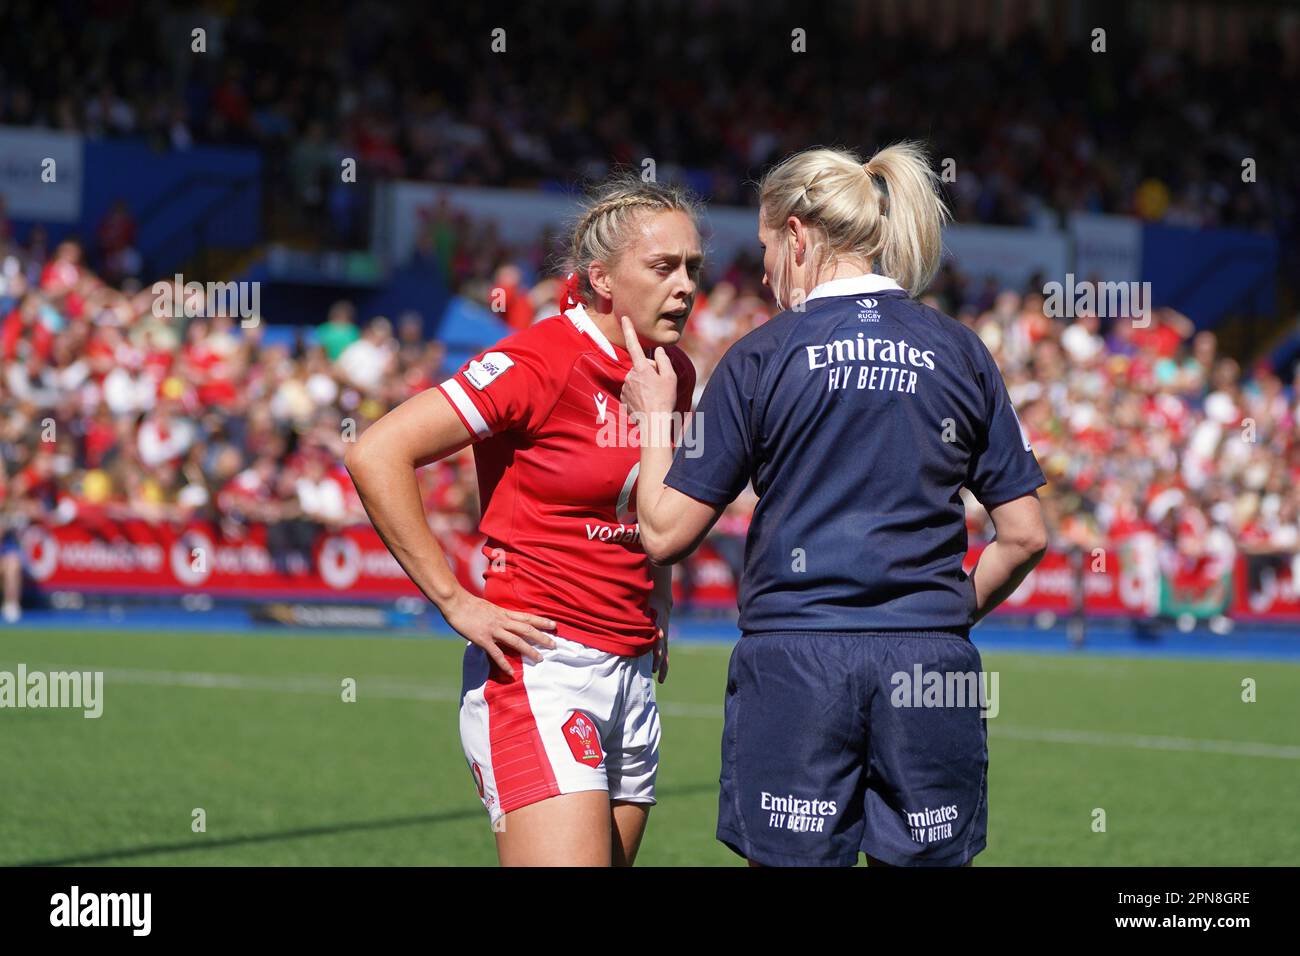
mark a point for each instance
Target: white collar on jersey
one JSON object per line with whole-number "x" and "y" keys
{"x": 854, "y": 285}
{"x": 582, "y": 322}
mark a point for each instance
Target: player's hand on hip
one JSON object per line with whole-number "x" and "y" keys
{"x": 651, "y": 386}
{"x": 496, "y": 630}
{"x": 659, "y": 660}
{"x": 662, "y": 610}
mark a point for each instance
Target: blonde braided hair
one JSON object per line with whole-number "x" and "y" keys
{"x": 601, "y": 231}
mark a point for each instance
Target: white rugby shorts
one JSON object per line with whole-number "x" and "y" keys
{"x": 580, "y": 719}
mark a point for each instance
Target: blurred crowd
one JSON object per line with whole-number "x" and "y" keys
{"x": 112, "y": 408}
{"x": 1038, "y": 123}
{"x": 1140, "y": 425}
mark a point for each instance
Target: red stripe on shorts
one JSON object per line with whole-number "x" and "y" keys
{"x": 519, "y": 763}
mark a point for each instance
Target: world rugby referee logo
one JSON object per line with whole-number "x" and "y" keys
{"x": 868, "y": 307}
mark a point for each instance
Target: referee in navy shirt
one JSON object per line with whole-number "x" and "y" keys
{"x": 853, "y": 707}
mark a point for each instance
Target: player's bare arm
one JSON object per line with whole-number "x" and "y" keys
{"x": 382, "y": 463}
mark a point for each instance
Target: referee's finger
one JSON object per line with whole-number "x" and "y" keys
{"x": 632, "y": 343}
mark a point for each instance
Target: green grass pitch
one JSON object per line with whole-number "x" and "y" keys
{"x": 254, "y": 730}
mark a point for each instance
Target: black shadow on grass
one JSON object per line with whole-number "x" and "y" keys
{"x": 358, "y": 826}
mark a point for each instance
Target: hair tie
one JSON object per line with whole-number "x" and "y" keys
{"x": 881, "y": 184}
{"x": 569, "y": 298}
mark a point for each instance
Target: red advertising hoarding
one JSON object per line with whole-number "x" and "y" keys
{"x": 353, "y": 564}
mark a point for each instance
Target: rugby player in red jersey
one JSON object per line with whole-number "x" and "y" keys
{"x": 558, "y": 717}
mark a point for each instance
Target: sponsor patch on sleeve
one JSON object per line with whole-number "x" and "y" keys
{"x": 481, "y": 374}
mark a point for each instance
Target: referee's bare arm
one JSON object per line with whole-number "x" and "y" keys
{"x": 1020, "y": 544}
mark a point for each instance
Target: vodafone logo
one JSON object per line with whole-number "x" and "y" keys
{"x": 340, "y": 562}
{"x": 191, "y": 558}
{"x": 42, "y": 553}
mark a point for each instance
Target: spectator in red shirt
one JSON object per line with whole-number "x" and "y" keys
{"x": 23, "y": 332}
{"x": 510, "y": 300}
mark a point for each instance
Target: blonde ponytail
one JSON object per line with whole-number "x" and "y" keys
{"x": 914, "y": 213}
{"x": 887, "y": 210}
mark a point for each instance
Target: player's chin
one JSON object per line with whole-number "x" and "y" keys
{"x": 668, "y": 329}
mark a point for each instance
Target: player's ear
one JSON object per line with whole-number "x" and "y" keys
{"x": 598, "y": 276}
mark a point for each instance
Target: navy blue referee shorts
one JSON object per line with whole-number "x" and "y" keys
{"x": 838, "y": 743}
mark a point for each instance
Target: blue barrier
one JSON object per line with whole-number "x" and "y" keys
{"x": 180, "y": 200}
{"x": 466, "y": 329}
{"x": 1210, "y": 274}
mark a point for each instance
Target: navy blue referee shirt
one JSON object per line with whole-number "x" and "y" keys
{"x": 858, "y": 421}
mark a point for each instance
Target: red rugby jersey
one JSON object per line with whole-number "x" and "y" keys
{"x": 557, "y": 462}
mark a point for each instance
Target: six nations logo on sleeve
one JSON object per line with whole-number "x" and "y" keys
{"x": 481, "y": 373}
